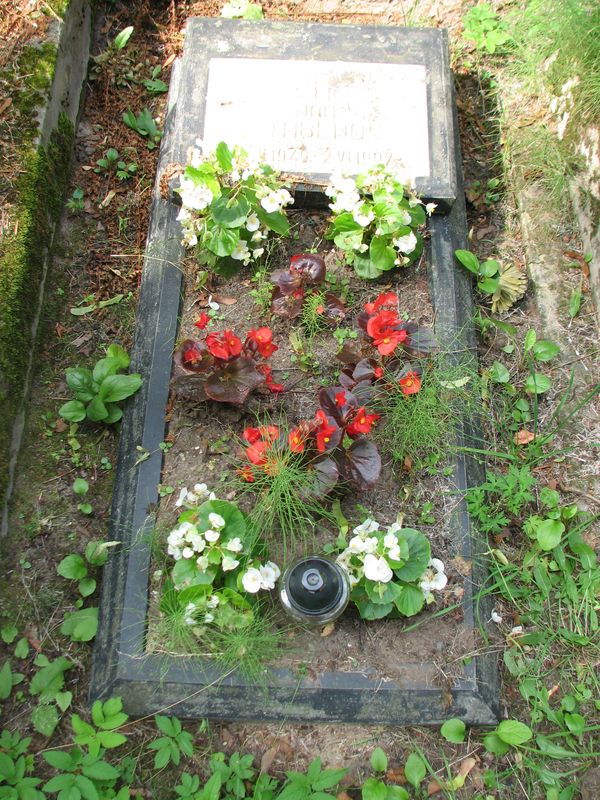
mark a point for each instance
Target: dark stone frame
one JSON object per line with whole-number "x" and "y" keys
{"x": 188, "y": 686}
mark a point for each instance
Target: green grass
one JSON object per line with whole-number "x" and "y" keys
{"x": 313, "y": 319}
{"x": 422, "y": 426}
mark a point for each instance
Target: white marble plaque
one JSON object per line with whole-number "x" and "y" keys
{"x": 315, "y": 117}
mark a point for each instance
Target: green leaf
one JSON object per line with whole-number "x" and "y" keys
{"x": 411, "y": 601}
{"x": 575, "y": 302}
{"x": 72, "y": 567}
{"x": 530, "y": 340}
{"x": 59, "y": 783}
{"x": 165, "y": 725}
{"x": 381, "y": 253}
{"x": 50, "y": 678}
{"x": 552, "y": 750}
{"x": 86, "y": 787}
{"x": 419, "y": 553}
{"x": 105, "y": 367}
{"x": 499, "y": 373}
{"x": 222, "y": 241}
{"x": 224, "y": 157}
{"x": 110, "y": 739}
{"x": 468, "y": 260}
{"x": 275, "y": 221}
{"x": 346, "y": 222}
{"x": 365, "y": 268}
{"x": 575, "y": 723}
{"x": 9, "y": 633}
{"x": 101, "y": 771}
{"x": 118, "y": 353}
{"x": 79, "y": 379}
{"x": 513, "y": 732}
{"x": 59, "y": 760}
{"x": 86, "y": 587}
{"x": 22, "y": 648}
{"x": 548, "y": 533}
{"x": 488, "y": 285}
{"x": 118, "y": 387}
{"x": 6, "y": 682}
{"x": 453, "y": 730}
{"x": 81, "y": 625}
{"x": 96, "y": 410}
{"x": 489, "y": 268}
{"x": 544, "y": 350}
{"x": 80, "y": 486}
{"x": 379, "y": 760}
{"x": 123, "y": 37}
{"x": 229, "y": 216}
{"x": 73, "y": 411}
{"x": 44, "y": 719}
{"x": 414, "y": 770}
{"x": 372, "y": 789}
{"x": 63, "y": 700}
{"x": 537, "y": 383}
{"x": 494, "y": 744}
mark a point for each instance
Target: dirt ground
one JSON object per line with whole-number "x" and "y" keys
{"x": 99, "y": 254}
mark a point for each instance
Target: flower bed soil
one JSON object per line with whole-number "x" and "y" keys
{"x": 205, "y": 441}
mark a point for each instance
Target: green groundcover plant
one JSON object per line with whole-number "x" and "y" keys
{"x": 230, "y": 204}
{"x": 99, "y": 391}
{"x": 375, "y": 221}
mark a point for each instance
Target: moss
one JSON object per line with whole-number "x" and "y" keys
{"x": 22, "y": 255}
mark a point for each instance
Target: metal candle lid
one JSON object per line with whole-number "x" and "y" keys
{"x": 315, "y": 589}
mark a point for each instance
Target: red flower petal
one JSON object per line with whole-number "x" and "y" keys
{"x": 410, "y": 383}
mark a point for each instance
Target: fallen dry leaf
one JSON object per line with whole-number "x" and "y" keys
{"x": 408, "y": 463}
{"x": 343, "y": 796}
{"x": 268, "y": 758}
{"x": 169, "y": 60}
{"x": 85, "y": 337}
{"x": 466, "y": 765}
{"x": 396, "y": 775}
{"x": 5, "y": 104}
{"x": 60, "y": 426}
{"x": 461, "y": 565}
{"x": 524, "y": 437}
{"x": 328, "y": 629}
{"x": 224, "y": 301}
{"x": 107, "y": 200}
{"x": 59, "y": 330}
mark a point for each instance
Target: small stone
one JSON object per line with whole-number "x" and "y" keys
{"x": 590, "y": 784}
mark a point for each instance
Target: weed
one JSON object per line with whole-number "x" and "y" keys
{"x": 75, "y": 202}
{"x": 313, "y": 319}
{"x": 482, "y": 26}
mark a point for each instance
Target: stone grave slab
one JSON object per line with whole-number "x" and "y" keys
{"x": 189, "y": 686}
{"x": 313, "y": 98}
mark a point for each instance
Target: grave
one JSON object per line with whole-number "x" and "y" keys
{"x": 310, "y": 97}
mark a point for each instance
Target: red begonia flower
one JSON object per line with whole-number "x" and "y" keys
{"x": 381, "y": 322}
{"x": 340, "y": 399}
{"x": 251, "y": 435}
{"x": 224, "y": 345}
{"x": 192, "y": 355}
{"x": 324, "y": 431}
{"x": 256, "y": 453}
{"x": 378, "y": 372}
{"x": 410, "y": 383}
{"x": 389, "y": 341}
{"x": 202, "y": 321}
{"x": 362, "y": 422}
{"x": 297, "y": 440}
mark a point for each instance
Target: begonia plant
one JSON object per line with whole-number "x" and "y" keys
{"x": 391, "y": 571}
{"x": 333, "y": 445}
{"x": 226, "y": 368}
{"x": 376, "y": 221}
{"x": 292, "y": 288}
{"x": 230, "y": 204}
{"x": 220, "y": 566}
{"x": 377, "y": 359}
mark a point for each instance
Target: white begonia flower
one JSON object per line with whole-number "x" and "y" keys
{"x": 187, "y": 552}
{"x": 202, "y": 563}
{"x": 235, "y": 175}
{"x": 191, "y": 499}
{"x": 258, "y": 236}
{"x": 235, "y": 545}
{"x": 189, "y": 239}
{"x": 211, "y": 536}
{"x": 271, "y": 202}
{"x": 188, "y": 614}
{"x": 394, "y": 554}
{"x": 273, "y": 566}
{"x": 406, "y": 244}
{"x": 390, "y": 540}
{"x": 212, "y": 601}
{"x": 285, "y": 198}
{"x": 216, "y": 521}
{"x": 356, "y": 545}
{"x": 229, "y": 563}
{"x": 413, "y": 201}
{"x": 363, "y": 248}
{"x": 181, "y": 499}
{"x": 184, "y": 215}
{"x": 377, "y": 569}
{"x": 196, "y": 541}
{"x": 430, "y": 208}
{"x": 370, "y": 544}
{"x": 175, "y": 552}
{"x": 517, "y": 630}
{"x": 366, "y": 527}
{"x": 258, "y": 252}
{"x": 434, "y": 579}
{"x": 270, "y": 572}
{"x": 252, "y": 223}
{"x": 394, "y": 528}
{"x": 208, "y": 618}
{"x": 497, "y": 618}
{"x": 192, "y": 196}
{"x": 175, "y": 538}
{"x": 240, "y": 251}
{"x": 363, "y": 215}
{"x": 252, "y": 580}
{"x": 347, "y": 201}
{"x": 196, "y": 158}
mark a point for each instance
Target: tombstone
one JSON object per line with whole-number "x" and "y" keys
{"x": 313, "y": 98}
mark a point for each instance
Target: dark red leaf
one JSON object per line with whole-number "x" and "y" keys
{"x": 326, "y": 477}
{"x": 286, "y": 281}
{"x": 328, "y": 402}
{"x": 365, "y": 370}
{"x": 335, "y": 310}
{"x": 420, "y": 340}
{"x": 286, "y": 306}
{"x": 350, "y": 352}
{"x": 234, "y": 382}
{"x": 192, "y": 356}
{"x": 311, "y": 266}
{"x": 360, "y": 464}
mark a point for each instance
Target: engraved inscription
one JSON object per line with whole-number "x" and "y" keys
{"x": 317, "y": 116}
